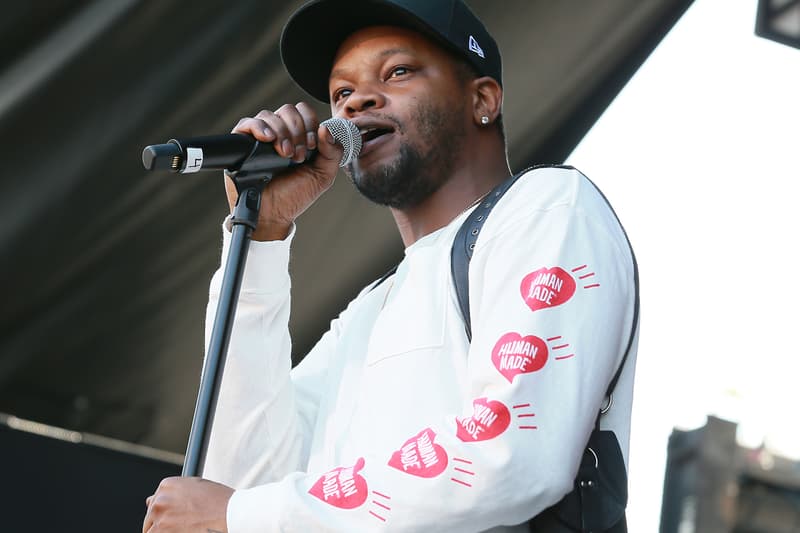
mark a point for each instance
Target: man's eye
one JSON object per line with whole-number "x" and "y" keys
{"x": 399, "y": 71}
{"x": 341, "y": 93}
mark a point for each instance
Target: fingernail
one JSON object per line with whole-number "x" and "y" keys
{"x": 300, "y": 153}
{"x": 268, "y": 133}
{"x": 288, "y": 149}
{"x": 312, "y": 139}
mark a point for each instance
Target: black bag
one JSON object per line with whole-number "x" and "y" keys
{"x": 598, "y": 499}
{"x": 600, "y": 493}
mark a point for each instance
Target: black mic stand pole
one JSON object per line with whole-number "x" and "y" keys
{"x": 244, "y": 220}
{"x": 250, "y": 179}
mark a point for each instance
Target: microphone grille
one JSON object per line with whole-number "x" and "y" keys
{"x": 346, "y": 133}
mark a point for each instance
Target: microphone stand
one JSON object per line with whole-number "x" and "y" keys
{"x": 250, "y": 179}
{"x": 244, "y": 220}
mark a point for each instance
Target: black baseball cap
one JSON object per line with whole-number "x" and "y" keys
{"x": 314, "y": 33}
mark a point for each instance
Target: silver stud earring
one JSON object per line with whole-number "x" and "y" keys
{"x": 484, "y": 120}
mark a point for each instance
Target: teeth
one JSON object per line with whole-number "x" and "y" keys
{"x": 366, "y": 130}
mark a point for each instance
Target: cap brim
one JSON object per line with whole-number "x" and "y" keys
{"x": 313, "y": 35}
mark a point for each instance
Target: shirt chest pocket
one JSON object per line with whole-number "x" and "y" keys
{"x": 412, "y": 320}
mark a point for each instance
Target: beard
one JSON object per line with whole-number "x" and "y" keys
{"x": 420, "y": 168}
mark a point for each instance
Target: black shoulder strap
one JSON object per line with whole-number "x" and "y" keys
{"x": 464, "y": 244}
{"x": 635, "y": 322}
{"x": 467, "y": 236}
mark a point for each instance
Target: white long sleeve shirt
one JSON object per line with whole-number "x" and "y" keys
{"x": 395, "y": 421}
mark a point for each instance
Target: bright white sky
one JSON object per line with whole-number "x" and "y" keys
{"x": 700, "y": 156}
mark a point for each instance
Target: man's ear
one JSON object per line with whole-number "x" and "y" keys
{"x": 487, "y": 100}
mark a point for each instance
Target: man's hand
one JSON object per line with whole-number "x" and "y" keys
{"x": 187, "y": 504}
{"x": 293, "y": 130}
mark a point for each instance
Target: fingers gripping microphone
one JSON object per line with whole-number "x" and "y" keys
{"x": 239, "y": 153}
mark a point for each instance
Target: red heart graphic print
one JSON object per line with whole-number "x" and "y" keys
{"x": 342, "y": 487}
{"x": 489, "y": 419}
{"x": 547, "y": 287}
{"x": 514, "y": 354}
{"x": 420, "y": 456}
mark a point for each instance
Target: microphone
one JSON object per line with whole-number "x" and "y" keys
{"x": 240, "y": 154}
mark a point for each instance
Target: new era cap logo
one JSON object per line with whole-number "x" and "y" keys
{"x": 475, "y": 47}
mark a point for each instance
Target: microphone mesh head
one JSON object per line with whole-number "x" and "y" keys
{"x": 346, "y": 133}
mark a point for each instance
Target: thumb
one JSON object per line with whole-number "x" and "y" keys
{"x": 328, "y": 147}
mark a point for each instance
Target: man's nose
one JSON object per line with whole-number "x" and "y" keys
{"x": 365, "y": 98}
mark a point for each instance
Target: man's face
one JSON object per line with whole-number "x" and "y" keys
{"x": 406, "y": 96}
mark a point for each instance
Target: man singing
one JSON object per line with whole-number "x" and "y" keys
{"x": 398, "y": 420}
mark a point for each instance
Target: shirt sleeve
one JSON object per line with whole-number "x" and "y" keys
{"x": 551, "y": 294}
{"x": 266, "y": 410}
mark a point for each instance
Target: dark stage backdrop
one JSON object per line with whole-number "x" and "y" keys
{"x": 58, "y": 480}
{"x": 105, "y": 268}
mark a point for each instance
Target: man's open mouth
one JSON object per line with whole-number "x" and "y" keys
{"x": 370, "y": 134}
